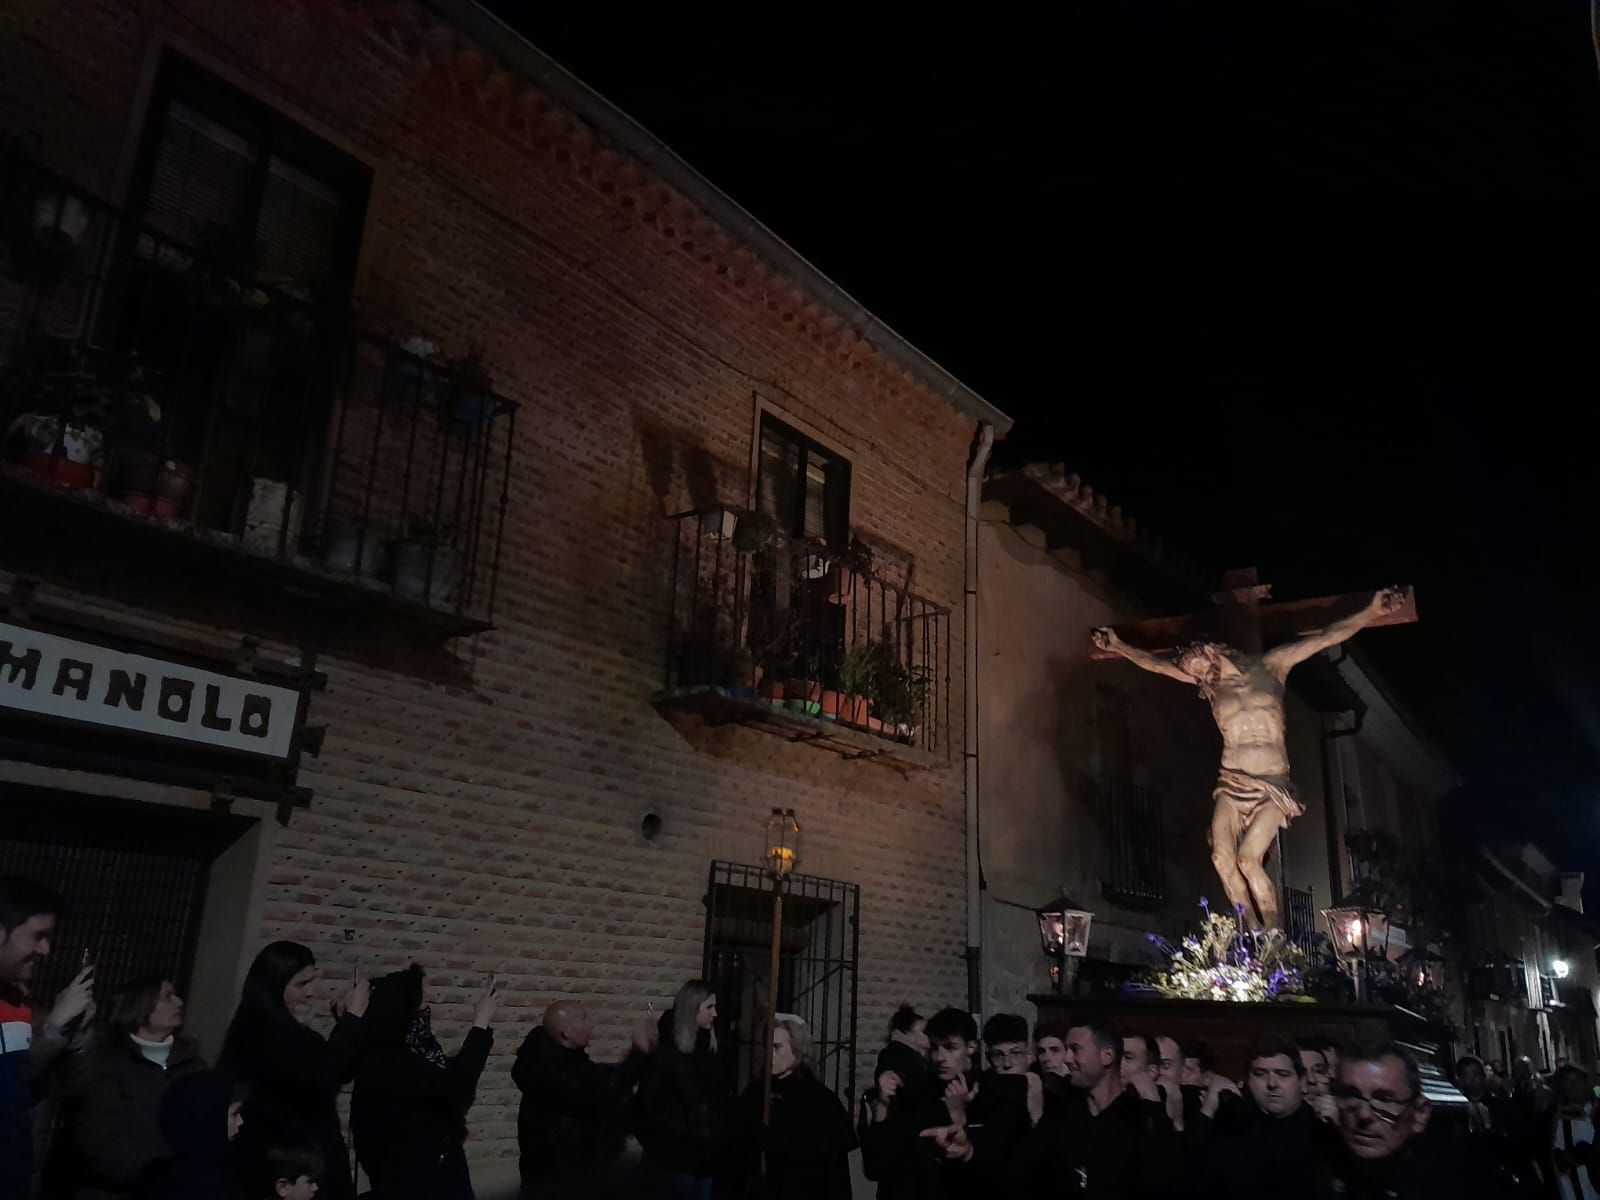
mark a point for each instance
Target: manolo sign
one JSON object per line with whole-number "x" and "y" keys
{"x": 77, "y": 681}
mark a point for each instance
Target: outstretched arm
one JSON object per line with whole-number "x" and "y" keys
{"x": 1282, "y": 658}
{"x": 1106, "y": 639}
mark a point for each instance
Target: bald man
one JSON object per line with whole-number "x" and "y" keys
{"x": 570, "y": 1128}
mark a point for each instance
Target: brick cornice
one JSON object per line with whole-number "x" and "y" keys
{"x": 508, "y": 99}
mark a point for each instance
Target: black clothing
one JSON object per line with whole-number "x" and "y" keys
{"x": 807, "y": 1143}
{"x": 1425, "y": 1169}
{"x": 571, "y": 1120}
{"x": 194, "y": 1121}
{"x": 293, "y": 1077}
{"x": 1251, "y": 1153}
{"x": 115, "y": 1124}
{"x": 907, "y": 1166}
{"x": 409, "y": 1118}
{"x": 1128, "y": 1151}
{"x": 679, "y": 1118}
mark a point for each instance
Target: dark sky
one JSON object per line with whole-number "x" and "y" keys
{"x": 1313, "y": 290}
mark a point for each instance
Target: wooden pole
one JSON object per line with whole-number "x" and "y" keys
{"x": 772, "y": 1010}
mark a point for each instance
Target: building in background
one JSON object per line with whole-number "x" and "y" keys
{"x": 438, "y": 525}
{"x": 1531, "y": 957}
{"x": 1096, "y": 777}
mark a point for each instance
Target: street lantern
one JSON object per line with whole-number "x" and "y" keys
{"x": 1356, "y": 931}
{"x": 780, "y": 854}
{"x": 1064, "y": 934}
{"x": 1560, "y": 967}
{"x": 781, "y": 843}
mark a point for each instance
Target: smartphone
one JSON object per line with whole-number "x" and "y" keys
{"x": 86, "y": 961}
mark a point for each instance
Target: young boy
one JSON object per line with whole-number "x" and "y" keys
{"x": 288, "y": 1173}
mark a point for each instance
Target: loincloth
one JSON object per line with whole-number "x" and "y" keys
{"x": 1240, "y": 796}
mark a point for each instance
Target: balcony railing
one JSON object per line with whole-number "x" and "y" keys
{"x": 1300, "y": 916}
{"x": 1135, "y": 870}
{"x": 157, "y": 383}
{"x": 792, "y": 628}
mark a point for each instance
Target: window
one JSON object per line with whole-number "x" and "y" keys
{"x": 234, "y": 272}
{"x": 803, "y": 486}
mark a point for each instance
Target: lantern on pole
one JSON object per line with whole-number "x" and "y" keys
{"x": 780, "y": 853}
{"x": 1358, "y": 933}
{"x": 1064, "y": 934}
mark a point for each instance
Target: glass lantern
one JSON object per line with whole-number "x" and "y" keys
{"x": 781, "y": 837}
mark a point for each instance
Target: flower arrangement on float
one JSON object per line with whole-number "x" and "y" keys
{"x": 1226, "y": 961}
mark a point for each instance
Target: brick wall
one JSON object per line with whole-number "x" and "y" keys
{"x": 491, "y": 822}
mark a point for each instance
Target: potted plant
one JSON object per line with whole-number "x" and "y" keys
{"x": 426, "y": 564}
{"x": 855, "y": 563}
{"x": 350, "y": 550}
{"x": 858, "y": 683}
{"x": 754, "y": 531}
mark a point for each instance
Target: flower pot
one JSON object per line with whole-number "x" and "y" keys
{"x": 79, "y": 443}
{"x": 830, "y": 704}
{"x": 874, "y": 725}
{"x": 263, "y": 523}
{"x": 905, "y": 733}
{"x": 853, "y": 710}
{"x": 59, "y": 220}
{"x": 342, "y": 547}
{"x": 135, "y": 473}
{"x": 771, "y": 689}
{"x": 803, "y": 696}
{"x": 720, "y": 526}
{"x": 411, "y": 573}
{"x": 173, "y": 486}
{"x": 61, "y": 471}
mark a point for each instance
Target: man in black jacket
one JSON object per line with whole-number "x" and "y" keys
{"x": 1265, "y": 1145}
{"x": 1110, "y": 1139}
{"x": 570, "y": 1126}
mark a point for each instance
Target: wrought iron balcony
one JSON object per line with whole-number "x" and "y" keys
{"x": 807, "y": 642}
{"x": 152, "y": 392}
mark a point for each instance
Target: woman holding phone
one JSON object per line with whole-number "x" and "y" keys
{"x": 409, "y": 1110}
{"x": 293, "y": 1075}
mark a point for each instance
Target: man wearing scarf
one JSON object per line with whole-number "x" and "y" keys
{"x": 409, "y": 1109}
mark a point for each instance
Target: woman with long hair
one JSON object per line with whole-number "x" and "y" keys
{"x": 293, "y": 1075}
{"x": 409, "y": 1110}
{"x": 680, "y": 1105}
{"x": 115, "y": 1132}
{"x": 807, "y": 1142}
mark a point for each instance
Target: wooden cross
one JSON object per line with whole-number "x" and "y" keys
{"x": 1243, "y": 621}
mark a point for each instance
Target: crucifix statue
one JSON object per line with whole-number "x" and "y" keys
{"x": 1222, "y": 654}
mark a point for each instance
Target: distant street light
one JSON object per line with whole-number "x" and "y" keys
{"x": 1561, "y": 967}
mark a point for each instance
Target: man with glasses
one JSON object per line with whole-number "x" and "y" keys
{"x": 1381, "y": 1150}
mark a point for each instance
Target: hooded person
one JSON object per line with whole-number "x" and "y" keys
{"x": 199, "y": 1118}
{"x": 408, "y": 1112}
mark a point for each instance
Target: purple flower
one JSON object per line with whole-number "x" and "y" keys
{"x": 1205, "y": 904}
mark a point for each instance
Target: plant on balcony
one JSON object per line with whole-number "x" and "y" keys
{"x": 426, "y": 563}
{"x": 859, "y": 675}
{"x": 854, "y": 563}
{"x": 755, "y": 531}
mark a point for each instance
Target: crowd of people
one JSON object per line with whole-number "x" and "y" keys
{"x": 110, "y": 1101}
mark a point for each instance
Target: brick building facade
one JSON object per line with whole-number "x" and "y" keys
{"x": 510, "y": 799}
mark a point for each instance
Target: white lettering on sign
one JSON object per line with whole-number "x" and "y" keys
{"x": 77, "y": 681}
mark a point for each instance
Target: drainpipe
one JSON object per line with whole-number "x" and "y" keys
{"x": 1335, "y": 859}
{"x": 969, "y": 725}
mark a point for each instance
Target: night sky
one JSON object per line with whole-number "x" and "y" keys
{"x": 1312, "y": 290}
